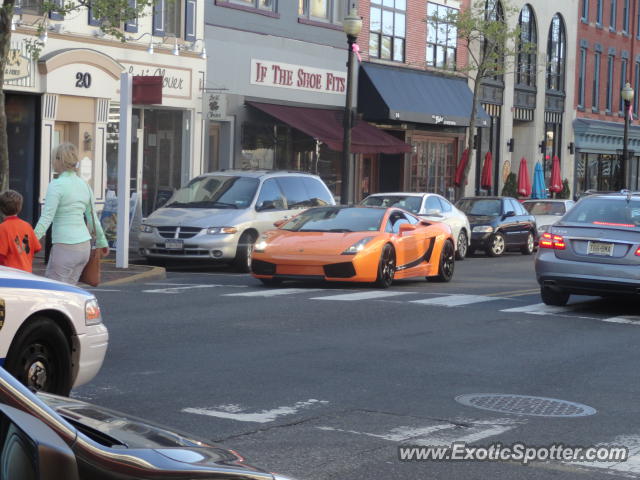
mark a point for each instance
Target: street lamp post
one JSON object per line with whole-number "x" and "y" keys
{"x": 627, "y": 96}
{"x": 352, "y": 24}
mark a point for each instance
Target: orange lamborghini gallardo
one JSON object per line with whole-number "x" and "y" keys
{"x": 354, "y": 244}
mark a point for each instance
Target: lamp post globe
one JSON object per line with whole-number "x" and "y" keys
{"x": 352, "y": 24}
{"x": 627, "y": 92}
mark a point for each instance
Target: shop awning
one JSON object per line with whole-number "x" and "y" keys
{"x": 406, "y": 95}
{"x": 326, "y": 126}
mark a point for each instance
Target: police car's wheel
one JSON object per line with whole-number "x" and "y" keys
{"x": 40, "y": 357}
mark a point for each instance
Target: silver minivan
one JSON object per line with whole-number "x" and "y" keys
{"x": 218, "y": 216}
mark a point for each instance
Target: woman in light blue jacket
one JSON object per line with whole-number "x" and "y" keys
{"x": 69, "y": 206}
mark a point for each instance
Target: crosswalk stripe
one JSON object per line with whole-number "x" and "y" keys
{"x": 370, "y": 295}
{"x": 271, "y": 292}
{"x": 538, "y": 309}
{"x": 629, "y": 319}
{"x": 455, "y": 300}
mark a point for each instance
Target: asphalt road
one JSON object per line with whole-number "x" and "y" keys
{"x": 327, "y": 381}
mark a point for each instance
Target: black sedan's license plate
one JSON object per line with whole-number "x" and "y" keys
{"x": 600, "y": 248}
{"x": 174, "y": 245}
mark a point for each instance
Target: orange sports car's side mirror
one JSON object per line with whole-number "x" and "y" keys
{"x": 407, "y": 227}
{"x": 279, "y": 223}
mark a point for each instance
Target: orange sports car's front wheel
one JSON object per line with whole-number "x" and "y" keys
{"x": 386, "y": 267}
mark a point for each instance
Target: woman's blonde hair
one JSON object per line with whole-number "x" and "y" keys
{"x": 65, "y": 158}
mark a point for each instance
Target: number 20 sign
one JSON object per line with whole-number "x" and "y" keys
{"x": 83, "y": 80}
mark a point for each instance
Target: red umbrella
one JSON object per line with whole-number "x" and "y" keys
{"x": 524, "y": 183}
{"x": 487, "y": 172}
{"x": 457, "y": 178}
{"x": 556, "y": 182}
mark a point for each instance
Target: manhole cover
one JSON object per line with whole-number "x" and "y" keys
{"x": 525, "y": 405}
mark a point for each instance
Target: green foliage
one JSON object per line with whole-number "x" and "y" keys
{"x": 566, "y": 191}
{"x": 510, "y": 188}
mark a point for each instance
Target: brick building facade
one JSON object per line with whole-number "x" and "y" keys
{"x": 608, "y": 56}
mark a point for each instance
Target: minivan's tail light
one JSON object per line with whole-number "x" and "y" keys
{"x": 638, "y": 251}
{"x": 555, "y": 242}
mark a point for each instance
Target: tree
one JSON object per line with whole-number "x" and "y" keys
{"x": 510, "y": 187}
{"x": 112, "y": 14}
{"x": 493, "y": 45}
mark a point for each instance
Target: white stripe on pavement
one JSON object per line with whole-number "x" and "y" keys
{"x": 455, "y": 300}
{"x": 236, "y": 412}
{"x": 539, "y": 309}
{"x": 369, "y": 295}
{"x": 189, "y": 287}
{"x": 272, "y": 292}
{"x": 629, "y": 319}
{"x": 439, "y": 434}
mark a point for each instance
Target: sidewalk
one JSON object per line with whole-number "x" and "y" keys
{"x": 111, "y": 275}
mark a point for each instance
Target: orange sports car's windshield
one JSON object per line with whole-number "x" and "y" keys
{"x": 336, "y": 219}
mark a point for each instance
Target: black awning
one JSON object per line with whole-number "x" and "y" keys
{"x": 406, "y": 95}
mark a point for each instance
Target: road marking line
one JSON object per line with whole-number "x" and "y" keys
{"x": 630, "y": 466}
{"x": 455, "y": 300}
{"x": 272, "y": 292}
{"x": 349, "y": 297}
{"x": 629, "y": 319}
{"x": 539, "y": 309}
{"x": 234, "y": 412}
{"x": 514, "y": 293}
{"x": 188, "y": 287}
{"x": 440, "y": 434}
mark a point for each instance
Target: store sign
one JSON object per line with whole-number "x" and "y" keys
{"x": 284, "y": 75}
{"x": 440, "y": 120}
{"x": 216, "y": 106}
{"x": 17, "y": 66}
{"x": 176, "y": 82}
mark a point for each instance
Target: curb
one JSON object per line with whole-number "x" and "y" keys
{"x": 156, "y": 273}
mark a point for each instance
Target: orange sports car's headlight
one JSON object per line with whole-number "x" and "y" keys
{"x": 358, "y": 246}
{"x": 260, "y": 245}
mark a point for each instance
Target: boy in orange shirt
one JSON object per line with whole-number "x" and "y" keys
{"x": 18, "y": 242}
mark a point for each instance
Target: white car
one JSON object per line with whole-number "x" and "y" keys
{"x": 432, "y": 207}
{"x": 51, "y": 334}
{"x": 547, "y": 211}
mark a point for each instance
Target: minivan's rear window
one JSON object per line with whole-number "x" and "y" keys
{"x": 606, "y": 211}
{"x": 216, "y": 191}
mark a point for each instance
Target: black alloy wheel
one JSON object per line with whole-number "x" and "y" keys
{"x": 447, "y": 264}
{"x": 242, "y": 262}
{"x": 528, "y": 247}
{"x": 497, "y": 245}
{"x": 386, "y": 267}
{"x": 554, "y": 297}
{"x": 463, "y": 246}
{"x": 40, "y": 357}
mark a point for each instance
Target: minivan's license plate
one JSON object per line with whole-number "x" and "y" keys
{"x": 600, "y": 248}
{"x": 174, "y": 245}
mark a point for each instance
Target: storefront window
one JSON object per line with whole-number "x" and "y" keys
{"x": 273, "y": 146}
{"x": 161, "y": 154}
{"x": 433, "y": 166}
{"x": 601, "y": 172}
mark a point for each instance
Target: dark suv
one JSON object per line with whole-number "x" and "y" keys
{"x": 499, "y": 224}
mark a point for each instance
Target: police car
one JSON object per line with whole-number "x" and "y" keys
{"x": 51, "y": 334}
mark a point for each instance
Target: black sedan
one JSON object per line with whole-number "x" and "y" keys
{"x": 499, "y": 224}
{"x": 47, "y": 437}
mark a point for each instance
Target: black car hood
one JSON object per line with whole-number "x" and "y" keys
{"x": 127, "y": 433}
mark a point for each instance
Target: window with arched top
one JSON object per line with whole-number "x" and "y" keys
{"x": 556, "y": 55}
{"x": 528, "y": 46}
{"x": 494, "y": 12}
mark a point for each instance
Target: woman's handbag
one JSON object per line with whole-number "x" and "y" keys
{"x": 91, "y": 272}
